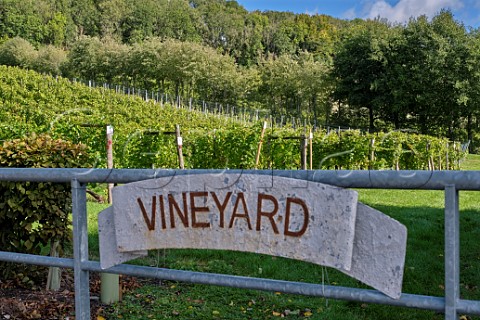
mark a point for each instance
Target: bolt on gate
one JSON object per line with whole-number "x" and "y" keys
{"x": 449, "y": 181}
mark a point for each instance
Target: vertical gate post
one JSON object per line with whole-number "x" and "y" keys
{"x": 452, "y": 252}
{"x": 80, "y": 250}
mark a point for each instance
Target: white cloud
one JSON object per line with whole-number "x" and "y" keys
{"x": 350, "y": 14}
{"x": 405, "y": 9}
{"x": 312, "y": 12}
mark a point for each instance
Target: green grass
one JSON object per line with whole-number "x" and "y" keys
{"x": 420, "y": 211}
{"x": 472, "y": 162}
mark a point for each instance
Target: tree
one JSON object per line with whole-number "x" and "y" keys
{"x": 140, "y": 22}
{"x": 427, "y": 65}
{"x": 55, "y": 32}
{"x": 224, "y": 21}
{"x": 83, "y": 59}
{"x": 359, "y": 67}
{"x": 17, "y": 52}
{"x": 112, "y": 15}
{"x": 85, "y": 17}
{"x": 252, "y": 46}
{"x": 178, "y": 20}
{"x": 470, "y": 87}
{"x": 49, "y": 60}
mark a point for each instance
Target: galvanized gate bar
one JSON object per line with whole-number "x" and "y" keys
{"x": 452, "y": 252}
{"x": 292, "y": 287}
{"x": 80, "y": 250}
{"x": 449, "y": 181}
{"x": 36, "y": 260}
{"x": 327, "y": 291}
{"x": 388, "y": 179}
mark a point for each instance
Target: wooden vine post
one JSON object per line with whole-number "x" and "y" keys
{"x": 54, "y": 273}
{"x": 311, "y": 149}
{"x": 109, "y": 134}
{"x": 179, "y": 147}
{"x": 259, "y": 149}
{"x": 110, "y": 291}
{"x": 429, "y": 158}
{"x": 372, "y": 153}
{"x": 446, "y": 157}
{"x": 303, "y": 150}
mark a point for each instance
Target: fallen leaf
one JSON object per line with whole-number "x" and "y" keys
{"x": 276, "y": 314}
{"x": 307, "y": 313}
{"x": 216, "y": 313}
{"x": 100, "y": 318}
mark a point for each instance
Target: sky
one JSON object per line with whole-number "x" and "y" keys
{"x": 465, "y": 11}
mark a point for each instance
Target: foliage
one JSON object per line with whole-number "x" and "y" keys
{"x": 42, "y": 104}
{"x": 49, "y": 60}
{"x": 419, "y": 76}
{"x": 17, "y": 52}
{"x": 35, "y": 214}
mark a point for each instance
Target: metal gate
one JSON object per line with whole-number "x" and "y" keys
{"x": 449, "y": 181}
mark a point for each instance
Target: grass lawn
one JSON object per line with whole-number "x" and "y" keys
{"x": 420, "y": 211}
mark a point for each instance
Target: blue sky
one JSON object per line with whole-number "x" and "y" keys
{"x": 466, "y": 11}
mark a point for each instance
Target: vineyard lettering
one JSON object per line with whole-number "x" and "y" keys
{"x": 192, "y": 211}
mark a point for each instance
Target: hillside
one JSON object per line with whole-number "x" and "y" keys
{"x": 35, "y": 103}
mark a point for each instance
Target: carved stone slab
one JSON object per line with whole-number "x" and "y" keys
{"x": 109, "y": 255}
{"x": 379, "y": 251}
{"x": 264, "y": 214}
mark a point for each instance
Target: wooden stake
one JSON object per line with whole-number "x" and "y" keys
{"x": 109, "y": 134}
{"x": 109, "y": 283}
{"x": 303, "y": 145}
{"x": 311, "y": 149}
{"x": 259, "y": 149}
{"x": 446, "y": 157}
{"x": 179, "y": 147}
{"x": 54, "y": 273}
{"x": 372, "y": 153}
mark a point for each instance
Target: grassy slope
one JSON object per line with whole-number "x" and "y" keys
{"x": 420, "y": 211}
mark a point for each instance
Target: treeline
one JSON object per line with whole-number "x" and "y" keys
{"x": 421, "y": 76}
{"x": 222, "y": 24}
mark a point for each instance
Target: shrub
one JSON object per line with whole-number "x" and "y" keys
{"x": 34, "y": 214}
{"x": 49, "y": 60}
{"x": 17, "y": 52}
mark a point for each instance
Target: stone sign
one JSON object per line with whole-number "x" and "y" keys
{"x": 271, "y": 215}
